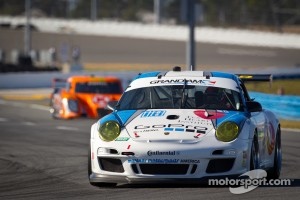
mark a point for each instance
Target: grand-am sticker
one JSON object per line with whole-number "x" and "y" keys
{"x": 183, "y": 81}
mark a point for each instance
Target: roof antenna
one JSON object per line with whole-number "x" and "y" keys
{"x": 176, "y": 69}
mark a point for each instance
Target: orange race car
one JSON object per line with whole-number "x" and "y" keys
{"x": 83, "y": 96}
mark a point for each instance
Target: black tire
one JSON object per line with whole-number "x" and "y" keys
{"x": 53, "y": 111}
{"x": 254, "y": 159}
{"x": 97, "y": 184}
{"x": 274, "y": 172}
{"x": 54, "y": 114}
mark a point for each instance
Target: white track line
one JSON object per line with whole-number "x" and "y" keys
{"x": 28, "y": 123}
{"x": 67, "y": 128}
{"x": 39, "y": 107}
{"x": 3, "y": 119}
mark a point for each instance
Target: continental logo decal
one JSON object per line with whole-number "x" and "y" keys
{"x": 163, "y": 153}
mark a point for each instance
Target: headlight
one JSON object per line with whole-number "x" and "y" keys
{"x": 73, "y": 105}
{"x": 227, "y": 131}
{"x": 109, "y": 131}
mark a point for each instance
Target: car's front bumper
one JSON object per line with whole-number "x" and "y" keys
{"x": 190, "y": 162}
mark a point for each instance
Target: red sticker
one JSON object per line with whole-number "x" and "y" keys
{"x": 208, "y": 115}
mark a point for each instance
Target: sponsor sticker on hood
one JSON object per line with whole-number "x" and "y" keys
{"x": 169, "y": 125}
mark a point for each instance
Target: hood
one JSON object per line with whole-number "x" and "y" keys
{"x": 173, "y": 124}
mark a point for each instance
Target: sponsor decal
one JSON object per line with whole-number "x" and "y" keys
{"x": 153, "y": 113}
{"x": 195, "y": 120}
{"x": 131, "y": 161}
{"x": 136, "y": 135}
{"x": 147, "y": 130}
{"x": 163, "y": 161}
{"x": 209, "y": 115}
{"x": 101, "y": 100}
{"x": 270, "y": 139}
{"x": 182, "y": 81}
{"x": 190, "y": 161}
{"x": 122, "y": 139}
{"x": 162, "y": 153}
{"x": 174, "y": 127}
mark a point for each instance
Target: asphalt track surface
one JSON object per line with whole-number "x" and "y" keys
{"x": 42, "y": 158}
{"x": 100, "y": 49}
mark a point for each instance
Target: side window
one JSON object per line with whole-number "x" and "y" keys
{"x": 68, "y": 86}
{"x": 244, "y": 91}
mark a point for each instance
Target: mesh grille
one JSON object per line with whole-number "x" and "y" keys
{"x": 177, "y": 169}
{"x": 220, "y": 165}
{"x": 111, "y": 165}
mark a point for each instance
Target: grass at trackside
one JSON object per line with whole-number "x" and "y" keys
{"x": 288, "y": 86}
{"x": 290, "y": 124}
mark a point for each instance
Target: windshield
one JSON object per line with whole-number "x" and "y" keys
{"x": 98, "y": 87}
{"x": 180, "y": 97}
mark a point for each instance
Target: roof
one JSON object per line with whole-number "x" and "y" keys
{"x": 92, "y": 78}
{"x": 175, "y": 77}
{"x": 199, "y": 74}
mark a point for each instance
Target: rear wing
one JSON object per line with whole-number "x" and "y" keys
{"x": 255, "y": 77}
{"x": 59, "y": 82}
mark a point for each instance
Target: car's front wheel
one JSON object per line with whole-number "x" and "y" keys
{"x": 274, "y": 172}
{"x": 97, "y": 184}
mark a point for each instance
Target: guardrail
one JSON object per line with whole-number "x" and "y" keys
{"x": 44, "y": 79}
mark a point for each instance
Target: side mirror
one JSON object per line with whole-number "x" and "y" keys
{"x": 111, "y": 105}
{"x": 253, "y": 106}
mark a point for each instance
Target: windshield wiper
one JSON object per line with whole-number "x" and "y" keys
{"x": 183, "y": 95}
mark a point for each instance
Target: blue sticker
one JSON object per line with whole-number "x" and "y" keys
{"x": 169, "y": 129}
{"x": 153, "y": 113}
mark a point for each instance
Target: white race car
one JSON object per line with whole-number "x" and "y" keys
{"x": 184, "y": 126}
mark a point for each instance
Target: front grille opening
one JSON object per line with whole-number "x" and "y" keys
{"x": 164, "y": 169}
{"x": 113, "y": 151}
{"x": 111, "y": 165}
{"x": 194, "y": 168}
{"x": 220, "y": 165}
{"x": 217, "y": 152}
{"x": 134, "y": 168}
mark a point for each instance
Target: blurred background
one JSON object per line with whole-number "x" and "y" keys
{"x": 151, "y": 34}
{"x": 59, "y": 38}
{"x": 276, "y": 15}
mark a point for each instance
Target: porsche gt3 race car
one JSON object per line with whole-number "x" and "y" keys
{"x": 84, "y": 96}
{"x": 184, "y": 126}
